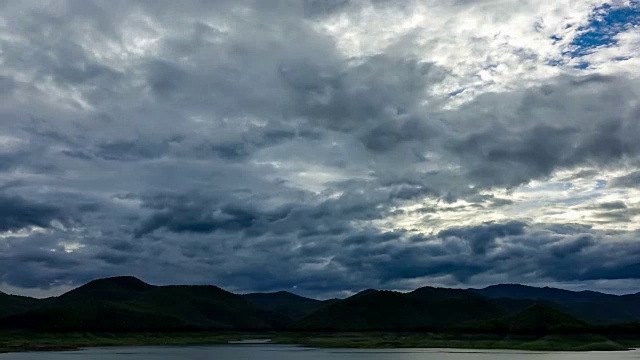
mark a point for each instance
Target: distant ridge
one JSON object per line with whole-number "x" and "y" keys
{"x": 437, "y": 293}
{"x": 517, "y": 291}
{"x": 126, "y": 303}
{"x": 535, "y": 319}
{"x": 588, "y": 305}
{"x": 389, "y": 310}
{"x": 293, "y": 307}
{"x": 112, "y": 288}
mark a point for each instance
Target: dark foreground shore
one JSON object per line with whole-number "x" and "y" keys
{"x": 23, "y": 341}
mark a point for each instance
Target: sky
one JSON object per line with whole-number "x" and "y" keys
{"x": 320, "y": 146}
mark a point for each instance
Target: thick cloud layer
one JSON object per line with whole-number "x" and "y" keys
{"x": 321, "y": 146}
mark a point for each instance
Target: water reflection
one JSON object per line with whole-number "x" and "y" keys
{"x": 281, "y": 352}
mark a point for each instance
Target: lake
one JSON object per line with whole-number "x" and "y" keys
{"x": 284, "y": 352}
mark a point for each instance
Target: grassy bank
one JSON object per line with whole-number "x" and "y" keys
{"x": 23, "y": 341}
{"x": 403, "y": 340}
{"x": 27, "y": 341}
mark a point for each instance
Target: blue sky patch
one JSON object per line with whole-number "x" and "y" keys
{"x": 605, "y": 23}
{"x": 457, "y": 92}
{"x": 601, "y": 184}
{"x": 583, "y": 65}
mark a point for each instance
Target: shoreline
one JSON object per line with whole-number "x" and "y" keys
{"x": 37, "y": 342}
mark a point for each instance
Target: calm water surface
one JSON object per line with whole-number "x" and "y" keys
{"x": 280, "y": 352}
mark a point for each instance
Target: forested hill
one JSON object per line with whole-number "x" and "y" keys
{"x": 121, "y": 304}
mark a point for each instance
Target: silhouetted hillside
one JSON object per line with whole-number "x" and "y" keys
{"x": 12, "y": 304}
{"x": 586, "y": 305}
{"x": 123, "y": 304}
{"x": 436, "y": 294}
{"x": 516, "y": 291}
{"x": 539, "y": 319}
{"x": 128, "y": 304}
{"x": 290, "y": 307}
{"x": 387, "y": 310}
{"x": 118, "y": 288}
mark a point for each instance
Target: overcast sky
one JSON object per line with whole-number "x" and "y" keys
{"x": 320, "y": 146}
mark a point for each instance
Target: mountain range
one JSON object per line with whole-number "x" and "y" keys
{"x": 129, "y": 304}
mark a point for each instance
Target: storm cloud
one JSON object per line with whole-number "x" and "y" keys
{"x": 17, "y": 213}
{"x": 321, "y": 146}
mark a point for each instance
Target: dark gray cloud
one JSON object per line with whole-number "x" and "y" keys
{"x": 313, "y": 8}
{"x": 631, "y": 180}
{"x": 481, "y": 238}
{"x": 17, "y": 213}
{"x": 613, "y": 205}
{"x": 532, "y": 143}
{"x": 238, "y": 143}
